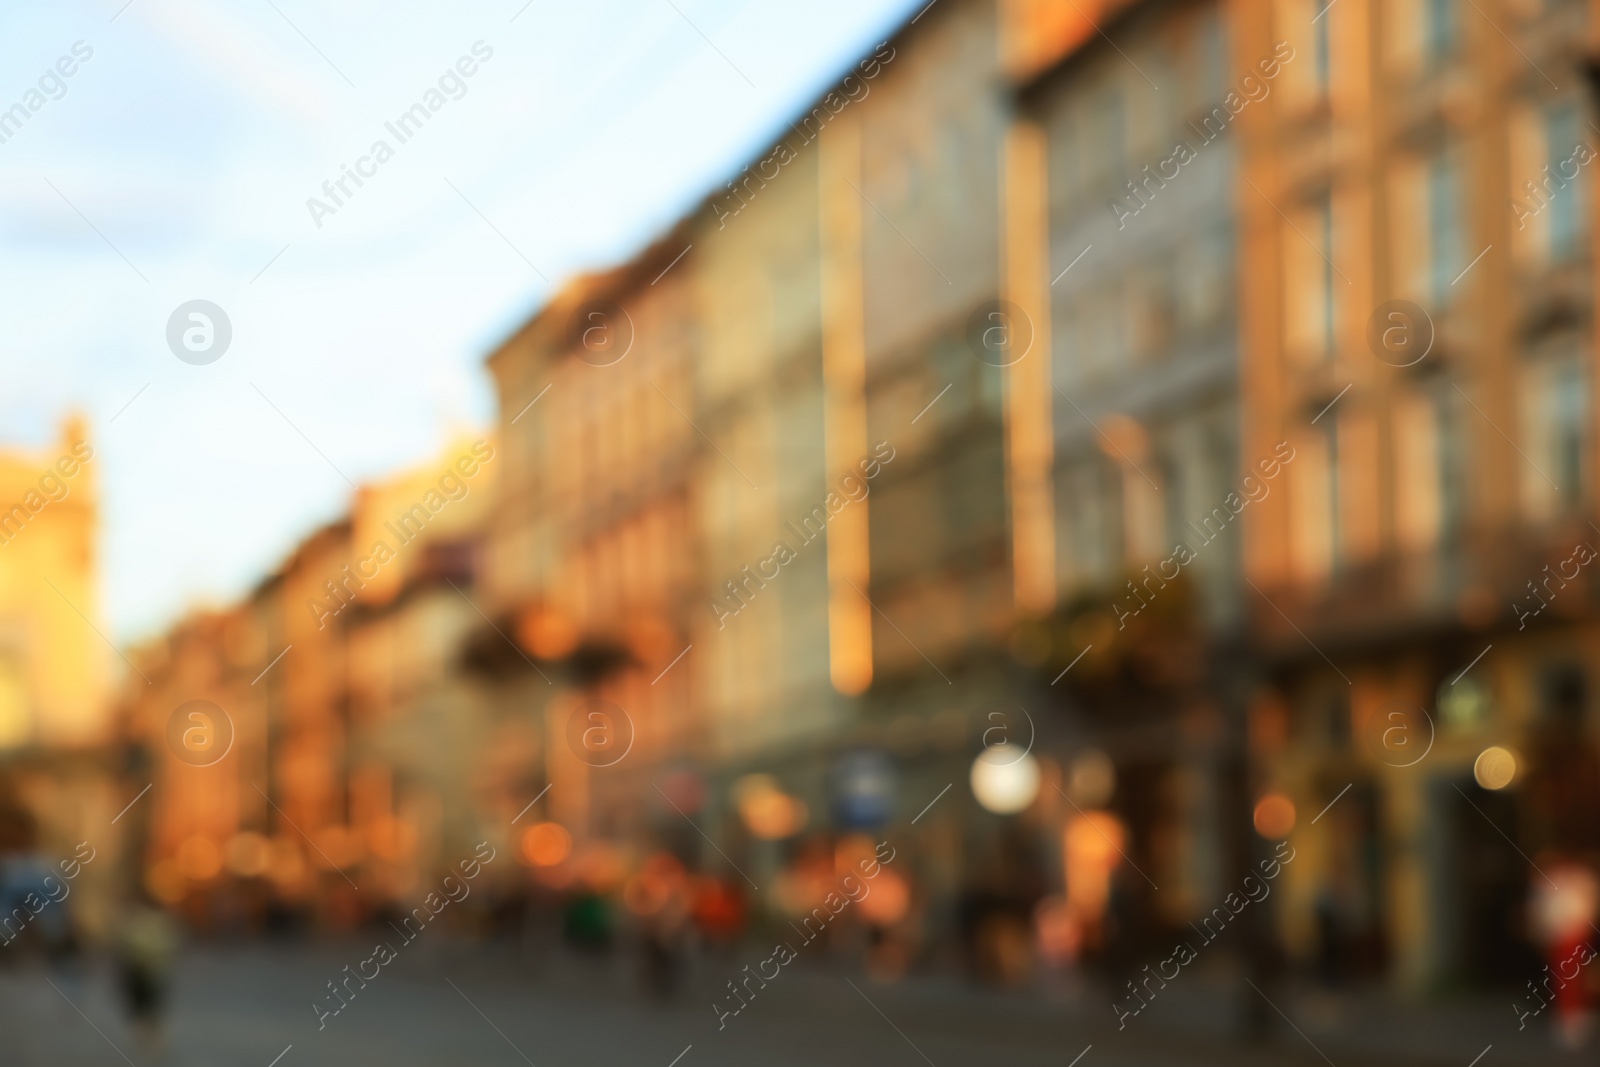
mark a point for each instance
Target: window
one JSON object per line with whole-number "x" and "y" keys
{"x": 1142, "y": 524}
{"x": 1554, "y": 412}
{"x": 1428, "y": 234}
{"x": 1320, "y": 50}
{"x": 1430, "y": 501}
{"x": 1564, "y": 188}
{"x": 1445, "y": 258}
{"x": 1450, "y": 464}
{"x": 1213, "y": 60}
{"x": 1565, "y": 406}
{"x": 1108, "y": 146}
{"x": 1310, "y": 316}
{"x": 1093, "y": 506}
{"x": 1439, "y": 29}
{"x": 1203, "y": 278}
{"x": 1178, "y": 498}
{"x": 1152, "y": 309}
{"x": 1326, "y": 238}
{"x": 1314, "y": 502}
{"x": 1304, "y": 25}
{"x": 1330, "y": 489}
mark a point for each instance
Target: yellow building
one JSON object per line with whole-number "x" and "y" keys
{"x": 54, "y": 665}
{"x": 56, "y": 785}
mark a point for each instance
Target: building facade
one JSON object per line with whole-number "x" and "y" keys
{"x": 1416, "y": 235}
{"x": 1205, "y": 387}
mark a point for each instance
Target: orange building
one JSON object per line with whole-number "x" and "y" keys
{"x": 1417, "y": 285}
{"x": 338, "y": 755}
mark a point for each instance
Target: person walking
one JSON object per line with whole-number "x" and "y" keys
{"x": 145, "y": 945}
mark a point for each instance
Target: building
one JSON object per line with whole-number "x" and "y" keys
{"x": 430, "y": 769}
{"x": 1125, "y": 160}
{"x": 53, "y": 666}
{"x": 593, "y": 550}
{"x": 56, "y": 765}
{"x": 318, "y": 749}
{"x": 1421, "y": 600}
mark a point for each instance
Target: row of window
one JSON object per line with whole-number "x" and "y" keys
{"x": 1139, "y": 109}
{"x": 1117, "y": 515}
{"x": 1436, "y": 460}
{"x": 1429, "y": 226}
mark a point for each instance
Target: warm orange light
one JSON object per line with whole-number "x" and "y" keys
{"x": 1093, "y": 843}
{"x": 1495, "y": 767}
{"x": 391, "y": 839}
{"x": 1274, "y": 816}
{"x": 659, "y": 879}
{"x": 601, "y": 866}
{"x": 247, "y": 854}
{"x": 888, "y": 899}
{"x": 768, "y": 812}
{"x": 548, "y": 634}
{"x": 545, "y": 844}
{"x": 199, "y": 859}
{"x": 775, "y": 816}
{"x": 285, "y": 864}
{"x": 851, "y": 851}
{"x": 338, "y": 847}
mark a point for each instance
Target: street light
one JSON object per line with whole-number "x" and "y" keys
{"x": 1004, "y": 782}
{"x": 1495, "y": 767}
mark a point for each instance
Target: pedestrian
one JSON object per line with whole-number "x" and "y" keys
{"x": 1565, "y": 900}
{"x": 145, "y": 945}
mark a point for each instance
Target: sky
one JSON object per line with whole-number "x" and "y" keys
{"x": 176, "y": 162}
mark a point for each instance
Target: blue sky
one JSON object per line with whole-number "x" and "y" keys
{"x": 177, "y": 164}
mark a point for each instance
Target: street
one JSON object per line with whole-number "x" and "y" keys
{"x": 453, "y": 1003}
